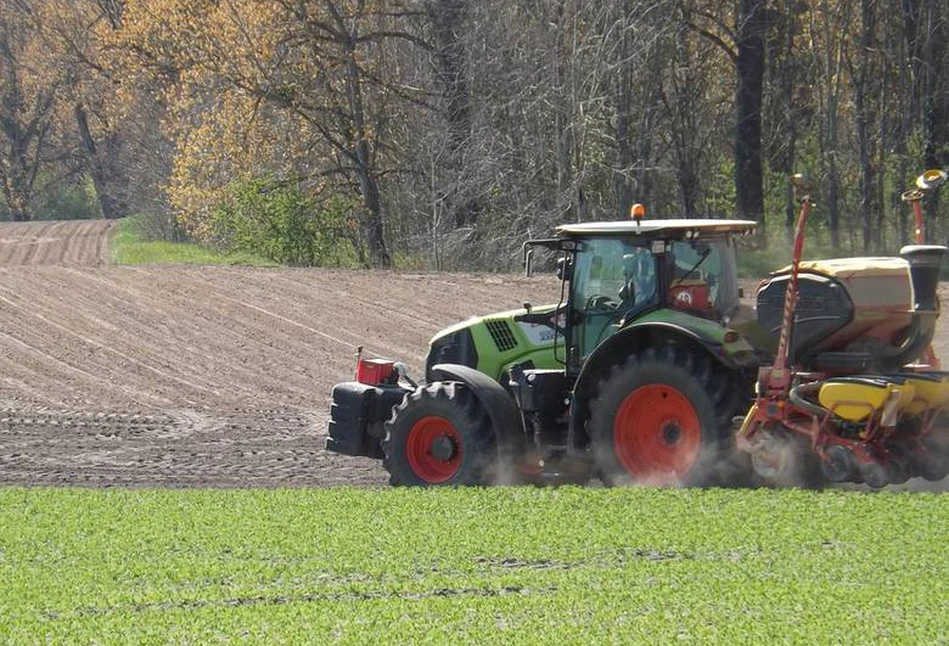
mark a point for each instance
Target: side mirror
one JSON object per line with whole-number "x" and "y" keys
{"x": 564, "y": 268}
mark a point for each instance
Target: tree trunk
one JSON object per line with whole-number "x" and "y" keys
{"x": 866, "y": 168}
{"x": 375, "y": 232}
{"x": 749, "y": 183}
{"x": 22, "y": 132}
{"x": 17, "y": 175}
{"x": 622, "y": 100}
{"x": 830, "y": 101}
{"x": 833, "y": 185}
{"x": 448, "y": 19}
{"x": 362, "y": 154}
{"x": 904, "y": 91}
{"x": 93, "y": 163}
{"x": 682, "y": 105}
{"x": 19, "y": 208}
{"x": 644, "y": 150}
{"x": 788, "y": 74}
{"x": 936, "y": 94}
{"x": 862, "y": 117}
{"x": 369, "y": 188}
{"x": 624, "y": 154}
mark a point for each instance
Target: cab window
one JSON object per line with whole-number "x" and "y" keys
{"x": 704, "y": 276}
{"x": 613, "y": 278}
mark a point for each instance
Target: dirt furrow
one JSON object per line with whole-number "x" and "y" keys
{"x": 55, "y": 243}
{"x": 143, "y": 345}
{"x": 196, "y": 376}
{"x": 101, "y": 357}
{"x": 26, "y": 241}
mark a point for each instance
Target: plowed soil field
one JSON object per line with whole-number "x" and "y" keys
{"x": 198, "y": 376}
{"x": 201, "y": 376}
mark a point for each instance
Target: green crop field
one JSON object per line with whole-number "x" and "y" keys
{"x": 502, "y": 566}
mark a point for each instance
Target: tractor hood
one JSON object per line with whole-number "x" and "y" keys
{"x": 509, "y": 315}
{"x": 493, "y": 343}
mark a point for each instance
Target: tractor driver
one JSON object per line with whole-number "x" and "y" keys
{"x": 639, "y": 280}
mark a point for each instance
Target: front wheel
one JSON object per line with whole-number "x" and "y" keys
{"x": 439, "y": 435}
{"x": 660, "y": 418}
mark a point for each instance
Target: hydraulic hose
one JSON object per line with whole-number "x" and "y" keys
{"x": 918, "y": 338}
{"x": 797, "y": 397}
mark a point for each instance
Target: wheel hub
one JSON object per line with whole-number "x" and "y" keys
{"x": 443, "y": 448}
{"x": 434, "y": 449}
{"x": 671, "y": 433}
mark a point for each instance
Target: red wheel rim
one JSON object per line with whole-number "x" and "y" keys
{"x": 657, "y": 434}
{"x": 427, "y": 437}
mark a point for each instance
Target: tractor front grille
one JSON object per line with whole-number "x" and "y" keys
{"x": 501, "y": 334}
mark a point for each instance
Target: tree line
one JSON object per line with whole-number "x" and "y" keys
{"x": 443, "y": 133}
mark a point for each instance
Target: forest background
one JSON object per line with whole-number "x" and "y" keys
{"x": 443, "y": 133}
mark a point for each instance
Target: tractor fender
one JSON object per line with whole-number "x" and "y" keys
{"x": 502, "y": 411}
{"x": 630, "y": 340}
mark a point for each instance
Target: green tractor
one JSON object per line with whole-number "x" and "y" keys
{"x": 650, "y": 370}
{"x": 634, "y": 376}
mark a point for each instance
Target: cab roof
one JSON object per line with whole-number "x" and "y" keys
{"x": 655, "y": 228}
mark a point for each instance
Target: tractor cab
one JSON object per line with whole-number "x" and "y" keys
{"x": 620, "y": 272}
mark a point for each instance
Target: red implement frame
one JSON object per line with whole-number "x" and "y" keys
{"x": 777, "y": 378}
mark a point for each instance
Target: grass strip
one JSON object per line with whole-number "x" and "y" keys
{"x": 130, "y": 246}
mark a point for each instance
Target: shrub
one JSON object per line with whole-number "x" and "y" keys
{"x": 277, "y": 220}
{"x": 66, "y": 202}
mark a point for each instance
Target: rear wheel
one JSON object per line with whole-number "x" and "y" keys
{"x": 663, "y": 417}
{"x": 439, "y": 435}
{"x": 783, "y": 458}
{"x": 934, "y": 457}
